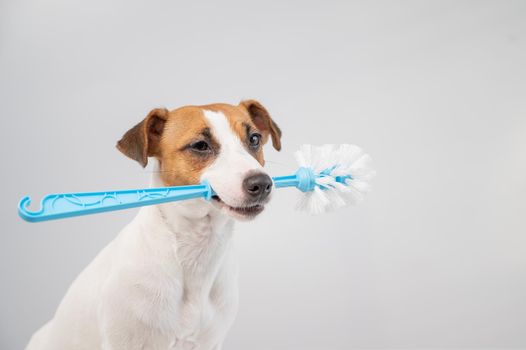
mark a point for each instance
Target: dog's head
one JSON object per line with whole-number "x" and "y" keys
{"x": 220, "y": 143}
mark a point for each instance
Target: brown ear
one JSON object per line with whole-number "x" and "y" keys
{"x": 142, "y": 141}
{"x": 263, "y": 121}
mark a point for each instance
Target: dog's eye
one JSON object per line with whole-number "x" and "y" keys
{"x": 254, "y": 140}
{"x": 201, "y": 146}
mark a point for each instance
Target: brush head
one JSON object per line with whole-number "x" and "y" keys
{"x": 342, "y": 174}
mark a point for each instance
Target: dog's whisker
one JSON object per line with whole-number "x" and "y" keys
{"x": 277, "y": 163}
{"x": 159, "y": 171}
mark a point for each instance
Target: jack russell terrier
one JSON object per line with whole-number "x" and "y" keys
{"x": 169, "y": 279}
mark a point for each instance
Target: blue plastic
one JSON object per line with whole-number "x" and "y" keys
{"x": 58, "y": 206}
{"x": 304, "y": 179}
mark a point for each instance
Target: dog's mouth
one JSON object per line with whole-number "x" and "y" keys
{"x": 243, "y": 212}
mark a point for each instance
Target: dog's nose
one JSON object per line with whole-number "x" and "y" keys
{"x": 258, "y": 186}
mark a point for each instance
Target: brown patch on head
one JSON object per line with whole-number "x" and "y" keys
{"x": 261, "y": 118}
{"x": 248, "y": 118}
{"x": 180, "y": 163}
{"x": 168, "y": 136}
{"x": 175, "y": 138}
{"x": 242, "y": 125}
{"x": 142, "y": 141}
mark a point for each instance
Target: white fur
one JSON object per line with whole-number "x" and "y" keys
{"x": 231, "y": 167}
{"x": 168, "y": 280}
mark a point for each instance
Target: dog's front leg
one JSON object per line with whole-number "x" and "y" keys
{"x": 126, "y": 316}
{"x": 123, "y": 331}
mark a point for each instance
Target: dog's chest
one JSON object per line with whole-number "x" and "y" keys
{"x": 203, "y": 304}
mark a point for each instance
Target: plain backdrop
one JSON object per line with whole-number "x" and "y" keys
{"x": 435, "y": 91}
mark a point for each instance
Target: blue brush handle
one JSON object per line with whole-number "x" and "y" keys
{"x": 303, "y": 179}
{"x": 65, "y": 205}
{"x": 58, "y": 206}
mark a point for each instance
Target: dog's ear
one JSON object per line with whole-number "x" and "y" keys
{"x": 142, "y": 141}
{"x": 263, "y": 121}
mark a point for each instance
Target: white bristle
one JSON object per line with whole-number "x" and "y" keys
{"x": 343, "y": 160}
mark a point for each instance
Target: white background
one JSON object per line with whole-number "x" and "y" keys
{"x": 435, "y": 91}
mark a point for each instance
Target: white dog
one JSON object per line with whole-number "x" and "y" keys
{"x": 169, "y": 279}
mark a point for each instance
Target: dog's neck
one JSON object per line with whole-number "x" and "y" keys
{"x": 198, "y": 234}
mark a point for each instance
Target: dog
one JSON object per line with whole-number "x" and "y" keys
{"x": 169, "y": 279}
